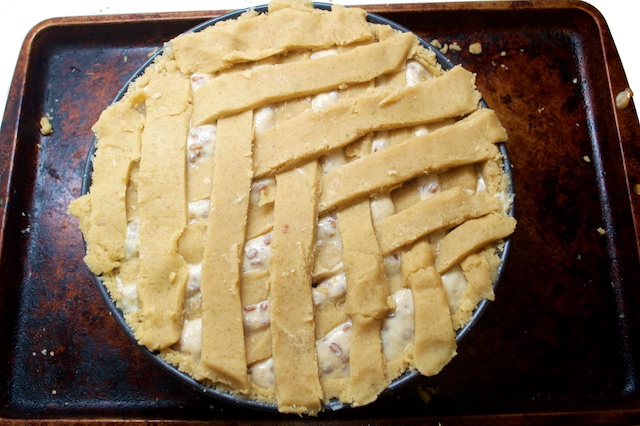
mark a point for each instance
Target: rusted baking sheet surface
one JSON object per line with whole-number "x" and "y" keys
{"x": 559, "y": 345}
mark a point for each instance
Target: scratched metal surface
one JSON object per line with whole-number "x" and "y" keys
{"x": 559, "y": 343}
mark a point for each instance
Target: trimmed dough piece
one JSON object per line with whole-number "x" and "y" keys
{"x": 471, "y": 236}
{"x": 280, "y": 31}
{"x": 315, "y": 133}
{"x": 199, "y": 180}
{"x": 435, "y": 340}
{"x": 444, "y": 210}
{"x": 81, "y": 209}
{"x": 491, "y": 172}
{"x": 292, "y": 329}
{"x": 260, "y": 215}
{"x": 118, "y": 132}
{"x": 328, "y": 261}
{"x": 470, "y": 140}
{"x": 263, "y": 85}
{"x": 192, "y": 241}
{"x": 223, "y": 350}
{"x": 477, "y": 270}
{"x": 328, "y": 316}
{"x": 162, "y": 273}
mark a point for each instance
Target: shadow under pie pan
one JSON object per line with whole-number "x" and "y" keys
{"x": 408, "y": 376}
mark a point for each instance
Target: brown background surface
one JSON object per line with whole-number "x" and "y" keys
{"x": 560, "y": 344}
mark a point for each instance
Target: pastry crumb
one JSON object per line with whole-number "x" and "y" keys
{"x": 586, "y": 158}
{"x": 601, "y": 231}
{"x": 436, "y": 43}
{"x": 455, "y": 46}
{"x": 636, "y": 188}
{"x": 45, "y": 126}
{"x": 475, "y": 48}
{"x": 426, "y": 394}
{"x": 624, "y": 98}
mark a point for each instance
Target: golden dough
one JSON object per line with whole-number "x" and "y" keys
{"x": 118, "y": 131}
{"x": 442, "y": 211}
{"x": 283, "y": 30}
{"x": 269, "y": 195}
{"x": 435, "y": 340}
{"x": 223, "y": 349}
{"x": 292, "y": 328}
{"x": 469, "y": 141}
{"x": 264, "y": 85}
{"x": 162, "y": 271}
{"x": 315, "y": 133}
{"x": 470, "y": 236}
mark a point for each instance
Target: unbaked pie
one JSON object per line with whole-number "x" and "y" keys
{"x": 298, "y": 206}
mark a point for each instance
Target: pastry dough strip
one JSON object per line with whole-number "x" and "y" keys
{"x": 315, "y": 133}
{"x": 470, "y": 140}
{"x": 305, "y": 28}
{"x": 263, "y": 85}
{"x": 441, "y": 211}
{"x": 162, "y": 273}
{"x": 118, "y": 132}
{"x": 471, "y": 236}
{"x": 367, "y": 286}
{"x": 434, "y": 341}
{"x": 292, "y": 329}
{"x": 367, "y": 376}
{"x": 367, "y": 294}
{"x": 223, "y": 349}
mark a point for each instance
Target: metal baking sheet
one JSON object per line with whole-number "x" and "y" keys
{"x": 560, "y": 344}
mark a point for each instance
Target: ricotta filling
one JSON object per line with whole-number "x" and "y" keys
{"x": 201, "y": 141}
{"x": 398, "y": 326}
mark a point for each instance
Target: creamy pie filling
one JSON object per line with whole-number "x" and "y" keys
{"x": 332, "y": 349}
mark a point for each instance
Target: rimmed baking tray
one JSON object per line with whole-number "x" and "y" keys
{"x": 560, "y": 344}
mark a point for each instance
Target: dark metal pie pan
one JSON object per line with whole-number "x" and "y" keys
{"x": 403, "y": 380}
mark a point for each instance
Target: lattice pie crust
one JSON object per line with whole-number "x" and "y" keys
{"x": 298, "y": 206}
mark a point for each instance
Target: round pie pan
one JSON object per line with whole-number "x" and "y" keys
{"x": 404, "y": 379}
